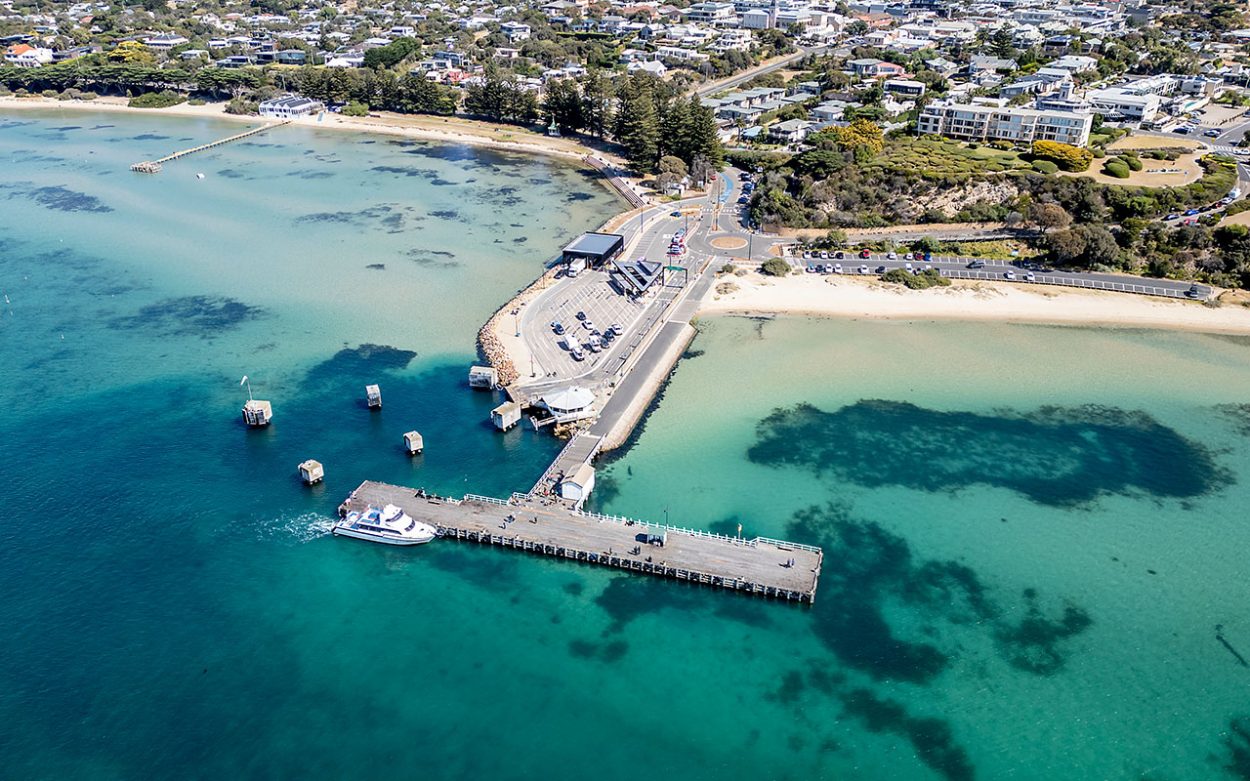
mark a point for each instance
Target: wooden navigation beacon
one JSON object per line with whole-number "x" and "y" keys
{"x": 413, "y": 443}
{"x": 373, "y": 396}
{"x": 311, "y": 472}
{"x": 256, "y": 412}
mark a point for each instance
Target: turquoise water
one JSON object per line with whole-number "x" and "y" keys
{"x": 1031, "y": 533}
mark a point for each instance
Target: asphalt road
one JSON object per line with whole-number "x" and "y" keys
{"x": 721, "y": 85}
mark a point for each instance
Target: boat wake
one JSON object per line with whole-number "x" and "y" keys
{"x": 297, "y": 529}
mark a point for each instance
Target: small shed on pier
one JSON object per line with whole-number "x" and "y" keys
{"x": 257, "y": 412}
{"x": 312, "y": 472}
{"x": 414, "y": 443}
{"x": 506, "y": 415}
{"x": 578, "y": 487}
{"x": 484, "y": 377}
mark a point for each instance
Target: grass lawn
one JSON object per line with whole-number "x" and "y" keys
{"x": 931, "y": 157}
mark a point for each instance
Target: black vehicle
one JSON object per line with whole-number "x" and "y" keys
{"x": 977, "y": 264}
{"x": 839, "y": 255}
{"x": 581, "y": 315}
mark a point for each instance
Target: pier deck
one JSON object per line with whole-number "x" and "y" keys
{"x": 755, "y": 566}
{"x": 581, "y": 449}
{"x": 154, "y": 166}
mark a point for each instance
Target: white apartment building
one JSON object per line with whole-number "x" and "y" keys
{"x": 974, "y": 122}
{"x": 711, "y": 13}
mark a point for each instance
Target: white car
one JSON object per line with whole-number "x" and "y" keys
{"x": 837, "y": 268}
{"x": 863, "y": 269}
{"x": 824, "y": 255}
{"x": 1010, "y": 275}
{"x": 892, "y": 255}
{"x": 1030, "y": 277}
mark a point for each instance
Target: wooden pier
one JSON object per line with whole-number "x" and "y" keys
{"x": 770, "y": 568}
{"x": 154, "y": 166}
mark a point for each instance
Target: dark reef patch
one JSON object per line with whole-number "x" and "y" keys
{"x": 310, "y": 174}
{"x": 363, "y": 361}
{"x": 432, "y": 258}
{"x": 205, "y": 315}
{"x": 627, "y": 597}
{"x": 231, "y": 173}
{"x": 474, "y": 565}
{"x": 446, "y": 214}
{"x": 1238, "y": 415}
{"x": 579, "y": 197}
{"x": 150, "y": 137}
{"x": 1237, "y": 743}
{"x": 932, "y": 738}
{"x": 1056, "y": 456}
{"x": 392, "y": 217}
{"x": 376, "y": 267}
{"x": 409, "y": 171}
{"x": 1033, "y": 644}
{"x": 611, "y": 651}
{"x": 59, "y": 198}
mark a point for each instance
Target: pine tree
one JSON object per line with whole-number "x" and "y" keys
{"x": 637, "y": 126}
{"x": 596, "y": 104}
{"x": 563, "y": 105}
{"x": 675, "y": 130}
{"x": 702, "y": 138}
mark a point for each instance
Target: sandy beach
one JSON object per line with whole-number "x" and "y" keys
{"x": 839, "y": 296}
{"x": 453, "y": 130}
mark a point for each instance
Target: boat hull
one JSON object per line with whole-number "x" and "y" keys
{"x": 344, "y": 531}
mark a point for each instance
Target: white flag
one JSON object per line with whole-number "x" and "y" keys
{"x": 243, "y": 380}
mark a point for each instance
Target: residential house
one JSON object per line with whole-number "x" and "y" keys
{"x": 990, "y": 122}
{"x": 23, "y": 55}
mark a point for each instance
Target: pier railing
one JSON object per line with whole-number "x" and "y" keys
{"x": 752, "y": 542}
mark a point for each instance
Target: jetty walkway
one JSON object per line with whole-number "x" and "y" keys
{"x": 763, "y": 566}
{"x": 154, "y": 166}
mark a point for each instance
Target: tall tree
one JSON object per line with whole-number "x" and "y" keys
{"x": 562, "y": 104}
{"x": 637, "y": 126}
{"x": 596, "y": 104}
{"x": 702, "y": 139}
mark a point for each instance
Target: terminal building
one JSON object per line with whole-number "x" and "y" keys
{"x": 594, "y": 249}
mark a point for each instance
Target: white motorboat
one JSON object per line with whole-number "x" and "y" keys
{"x": 389, "y": 525}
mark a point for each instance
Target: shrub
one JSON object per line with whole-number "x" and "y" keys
{"x": 1066, "y": 156}
{"x": 87, "y": 96}
{"x": 1134, "y": 163}
{"x": 1117, "y": 168}
{"x": 197, "y": 102}
{"x": 728, "y": 268}
{"x": 49, "y": 93}
{"x": 1002, "y": 145}
{"x": 775, "y": 267}
{"x": 1045, "y": 167}
{"x": 163, "y": 99}
{"x": 1237, "y": 207}
{"x": 921, "y": 281}
{"x": 356, "y": 109}
{"x": 242, "y": 106}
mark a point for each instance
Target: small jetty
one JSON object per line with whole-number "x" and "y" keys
{"x": 154, "y": 166}
{"x": 766, "y": 567}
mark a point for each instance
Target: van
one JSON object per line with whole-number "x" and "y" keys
{"x": 576, "y": 266}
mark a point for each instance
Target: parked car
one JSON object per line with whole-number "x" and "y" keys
{"x": 1192, "y": 292}
{"x": 1010, "y": 275}
{"x": 1030, "y": 277}
{"x": 675, "y": 214}
{"x": 581, "y": 315}
{"x": 907, "y": 266}
{"x": 1172, "y": 216}
{"x": 891, "y": 255}
{"x": 917, "y": 256}
{"x": 811, "y": 269}
{"x": 863, "y": 269}
{"x": 837, "y": 268}
{"x": 865, "y": 253}
{"x": 1182, "y": 130}
{"x": 616, "y": 329}
{"x": 838, "y": 255}
{"x": 589, "y": 326}
{"x": 558, "y": 327}
{"x": 880, "y": 269}
{"x": 828, "y": 268}
{"x": 824, "y": 254}
{"x": 977, "y": 264}
{"x": 1192, "y": 212}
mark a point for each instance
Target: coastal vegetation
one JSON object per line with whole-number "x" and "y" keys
{"x": 775, "y": 267}
{"x": 922, "y": 280}
{"x": 162, "y": 99}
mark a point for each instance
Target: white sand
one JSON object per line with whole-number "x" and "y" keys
{"x": 839, "y": 296}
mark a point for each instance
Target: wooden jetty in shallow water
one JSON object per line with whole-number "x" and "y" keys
{"x": 154, "y": 166}
{"x": 771, "y": 568}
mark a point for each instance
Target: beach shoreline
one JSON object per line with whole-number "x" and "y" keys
{"x": 841, "y": 297}
{"x": 421, "y": 127}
